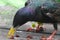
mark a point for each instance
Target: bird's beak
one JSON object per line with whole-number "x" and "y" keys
{"x": 11, "y": 32}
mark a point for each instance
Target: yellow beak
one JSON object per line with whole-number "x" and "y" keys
{"x": 11, "y": 32}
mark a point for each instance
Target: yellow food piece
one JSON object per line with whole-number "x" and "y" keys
{"x": 33, "y": 25}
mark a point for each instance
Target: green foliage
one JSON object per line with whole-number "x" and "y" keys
{"x": 57, "y": 0}
{"x": 8, "y": 7}
{"x": 14, "y": 3}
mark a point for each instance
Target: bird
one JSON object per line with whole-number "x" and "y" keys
{"x": 33, "y": 25}
{"x": 44, "y": 11}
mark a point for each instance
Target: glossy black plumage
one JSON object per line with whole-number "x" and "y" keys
{"x": 45, "y": 13}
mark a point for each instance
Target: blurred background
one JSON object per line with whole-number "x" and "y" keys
{"x": 8, "y": 8}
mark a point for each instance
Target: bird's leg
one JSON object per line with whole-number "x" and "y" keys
{"x": 54, "y": 32}
{"x": 52, "y": 35}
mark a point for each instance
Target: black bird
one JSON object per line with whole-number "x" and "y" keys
{"x": 45, "y": 11}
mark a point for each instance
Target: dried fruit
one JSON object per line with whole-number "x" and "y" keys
{"x": 29, "y": 29}
{"x": 29, "y": 36}
{"x": 17, "y": 35}
{"x": 12, "y": 37}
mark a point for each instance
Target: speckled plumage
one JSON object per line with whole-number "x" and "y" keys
{"x": 34, "y": 12}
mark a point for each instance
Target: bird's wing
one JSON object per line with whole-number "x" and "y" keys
{"x": 53, "y": 11}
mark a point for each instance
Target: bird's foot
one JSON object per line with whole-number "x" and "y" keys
{"x": 45, "y": 38}
{"x": 50, "y": 38}
{"x": 52, "y": 35}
